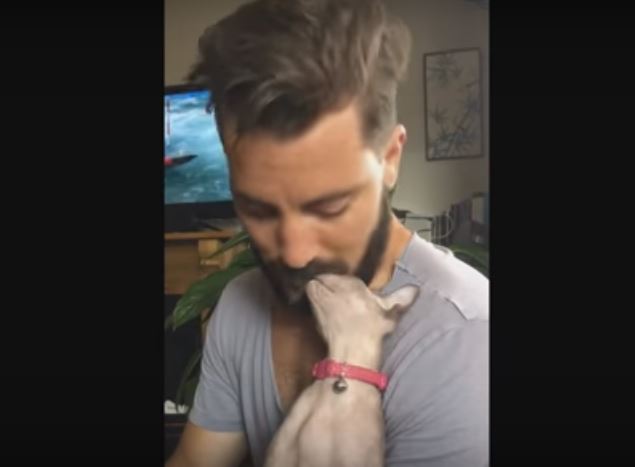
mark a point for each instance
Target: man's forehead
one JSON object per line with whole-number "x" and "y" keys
{"x": 305, "y": 181}
{"x": 336, "y": 130}
{"x": 306, "y": 199}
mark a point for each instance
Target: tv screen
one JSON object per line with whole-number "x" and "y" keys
{"x": 194, "y": 161}
{"x": 196, "y": 188}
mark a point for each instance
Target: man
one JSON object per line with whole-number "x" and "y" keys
{"x": 304, "y": 95}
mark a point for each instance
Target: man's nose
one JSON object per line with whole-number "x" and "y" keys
{"x": 297, "y": 242}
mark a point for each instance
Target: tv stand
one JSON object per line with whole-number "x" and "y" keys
{"x": 187, "y": 257}
{"x": 218, "y": 224}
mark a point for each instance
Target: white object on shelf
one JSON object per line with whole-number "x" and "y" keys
{"x": 169, "y": 407}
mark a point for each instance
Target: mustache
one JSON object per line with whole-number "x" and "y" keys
{"x": 297, "y": 279}
{"x": 290, "y": 283}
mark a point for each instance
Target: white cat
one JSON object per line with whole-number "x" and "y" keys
{"x": 339, "y": 422}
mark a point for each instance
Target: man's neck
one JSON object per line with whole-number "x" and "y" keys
{"x": 398, "y": 240}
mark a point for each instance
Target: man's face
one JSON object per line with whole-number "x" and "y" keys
{"x": 312, "y": 204}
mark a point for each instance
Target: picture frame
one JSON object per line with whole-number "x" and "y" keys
{"x": 453, "y": 104}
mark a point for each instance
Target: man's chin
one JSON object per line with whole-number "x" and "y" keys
{"x": 298, "y": 301}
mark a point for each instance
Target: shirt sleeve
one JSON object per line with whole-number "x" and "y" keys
{"x": 216, "y": 404}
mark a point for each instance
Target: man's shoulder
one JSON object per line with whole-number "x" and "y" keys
{"x": 436, "y": 403}
{"x": 249, "y": 280}
{"x": 242, "y": 297}
{"x": 445, "y": 280}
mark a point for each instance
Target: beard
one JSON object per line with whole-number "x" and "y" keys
{"x": 289, "y": 283}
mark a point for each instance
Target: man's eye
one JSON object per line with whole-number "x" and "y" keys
{"x": 260, "y": 215}
{"x": 331, "y": 210}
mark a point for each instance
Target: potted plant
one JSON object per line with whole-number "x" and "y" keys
{"x": 475, "y": 255}
{"x": 198, "y": 301}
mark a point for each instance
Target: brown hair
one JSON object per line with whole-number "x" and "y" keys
{"x": 278, "y": 65}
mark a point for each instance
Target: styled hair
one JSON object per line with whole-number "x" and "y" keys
{"x": 278, "y": 65}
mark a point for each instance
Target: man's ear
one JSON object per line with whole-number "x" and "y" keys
{"x": 392, "y": 156}
{"x": 400, "y": 300}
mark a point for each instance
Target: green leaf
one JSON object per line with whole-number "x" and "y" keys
{"x": 475, "y": 256}
{"x": 186, "y": 381}
{"x": 240, "y": 237}
{"x": 244, "y": 259}
{"x": 472, "y": 257}
{"x": 189, "y": 391}
{"x": 203, "y": 295}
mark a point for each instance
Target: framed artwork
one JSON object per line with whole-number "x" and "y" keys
{"x": 453, "y": 104}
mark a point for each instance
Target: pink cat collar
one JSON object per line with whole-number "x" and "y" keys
{"x": 329, "y": 368}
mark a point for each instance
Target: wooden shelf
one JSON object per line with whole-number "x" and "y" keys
{"x": 187, "y": 257}
{"x": 213, "y": 234}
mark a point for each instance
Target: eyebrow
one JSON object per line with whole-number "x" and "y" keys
{"x": 311, "y": 204}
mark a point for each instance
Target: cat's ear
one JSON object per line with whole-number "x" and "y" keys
{"x": 400, "y": 300}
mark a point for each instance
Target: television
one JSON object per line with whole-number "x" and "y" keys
{"x": 196, "y": 175}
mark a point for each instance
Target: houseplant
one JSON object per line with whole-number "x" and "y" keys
{"x": 475, "y": 255}
{"x": 198, "y": 301}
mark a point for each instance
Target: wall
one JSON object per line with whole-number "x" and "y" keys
{"x": 185, "y": 20}
{"x": 430, "y": 187}
{"x": 424, "y": 187}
